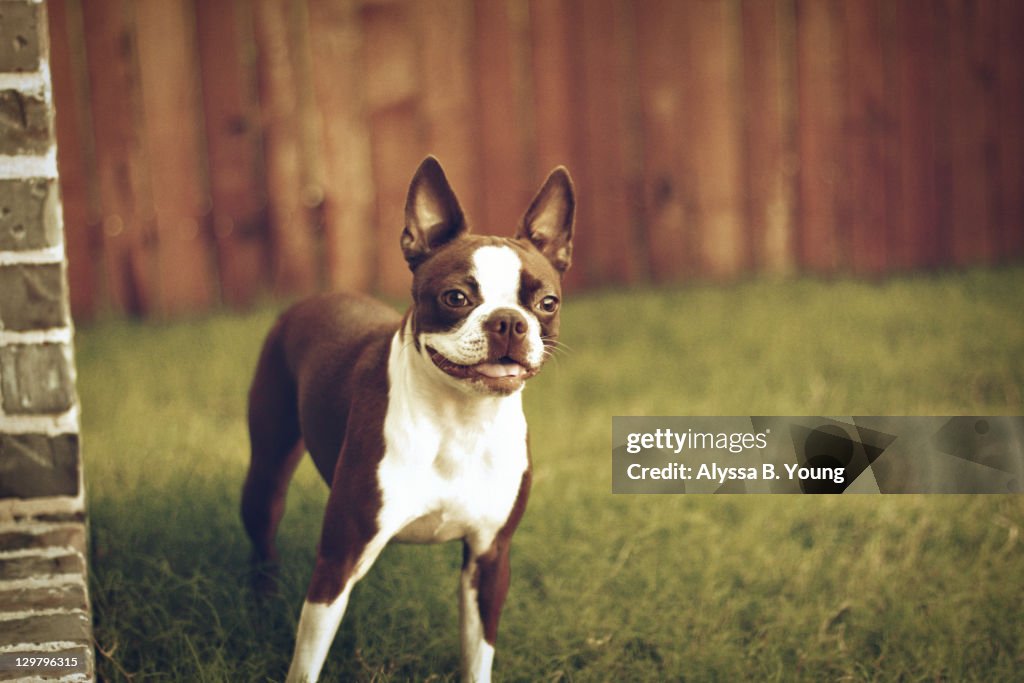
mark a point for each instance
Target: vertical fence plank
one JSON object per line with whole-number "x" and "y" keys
{"x": 972, "y": 39}
{"x": 942, "y": 233}
{"x": 663, "y": 73}
{"x": 75, "y": 179}
{"x": 502, "y": 141}
{"x": 888, "y": 231}
{"x": 913, "y": 239}
{"x": 553, "y": 78}
{"x": 868, "y": 134}
{"x": 336, "y": 45}
{"x": 819, "y": 133}
{"x": 121, "y": 167}
{"x": 714, "y": 48}
{"x": 768, "y": 90}
{"x": 445, "y": 30}
{"x": 396, "y": 151}
{"x": 237, "y": 192}
{"x": 556, "y": 68}
{"x": 1011, "y": 129}
{"x": 613, "y": 256}
{"x": 391, "y": 97}
{"x": 169, "y": 82}
{"x": 311, "y": 165}
{"x": 291, "y": 240}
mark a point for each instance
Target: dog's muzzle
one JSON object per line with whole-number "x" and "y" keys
{"x": 506, "y": 366}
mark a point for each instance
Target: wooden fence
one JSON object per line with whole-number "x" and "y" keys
{"x": 211, "y": 150}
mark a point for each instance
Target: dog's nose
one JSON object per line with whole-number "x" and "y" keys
{"x": 506, "y": 327}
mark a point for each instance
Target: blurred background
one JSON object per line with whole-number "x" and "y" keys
{"x": 213, "y": 151}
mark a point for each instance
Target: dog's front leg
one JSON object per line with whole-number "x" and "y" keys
{"x": 483, "y": 587}
{"x": 342, "y": 559}
{"x": 317, "y": 626}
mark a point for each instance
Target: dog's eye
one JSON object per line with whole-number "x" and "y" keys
{"x": 548, "y": 304}
{"x": 454, "y": 298}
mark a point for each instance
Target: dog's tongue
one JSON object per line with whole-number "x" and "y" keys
{"x": 497, "y": 370}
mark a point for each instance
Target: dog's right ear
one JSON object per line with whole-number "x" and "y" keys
{"x": 432, "y": 213}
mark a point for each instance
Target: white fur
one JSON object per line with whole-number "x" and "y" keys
{"x": 452, "y": 467}
{"x": 319, "y": 623}
{"x": 477, "y": 653}
{"x": 317, "y": 626}
{"x": 497, "y": 272}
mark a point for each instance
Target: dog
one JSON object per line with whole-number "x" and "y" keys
{"x": 415, "y": 422}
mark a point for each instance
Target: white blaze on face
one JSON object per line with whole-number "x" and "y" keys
{"x": 497, "y": 271}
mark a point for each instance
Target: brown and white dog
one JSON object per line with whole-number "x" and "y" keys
{"x": 415, "y": 422}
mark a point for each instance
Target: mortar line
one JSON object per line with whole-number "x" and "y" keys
{"x": 50, "y": 612}
{"x": 47, "y": 256}
{"x": 37, "y": 527}
{"x": 47, "y": 552}
{"x": 52, "y": 335}
{"x": 48, "y": 646}
{"x": 25, "y": 166}
{"x": 50, "y": 425}
{"x": 36, "y": 582}
{"x": 28, "y": 82}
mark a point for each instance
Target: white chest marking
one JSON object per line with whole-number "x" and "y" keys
{"x": 453, "y": 462}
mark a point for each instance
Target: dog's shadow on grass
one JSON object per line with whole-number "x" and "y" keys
{"x": 174, "y": 560}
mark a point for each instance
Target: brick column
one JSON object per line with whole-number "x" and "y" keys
{"x": 44, "y": 607}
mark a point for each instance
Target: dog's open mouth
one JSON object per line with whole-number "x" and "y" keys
{"x": 503, "y": 375}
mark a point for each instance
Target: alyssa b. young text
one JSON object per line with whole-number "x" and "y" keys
{"x": 715, "y": 472}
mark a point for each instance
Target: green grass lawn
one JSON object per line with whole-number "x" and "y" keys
{"x": 604, "y": 588}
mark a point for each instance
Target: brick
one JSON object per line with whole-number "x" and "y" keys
{"x": 24, "y": 123}
{"x": 32, "y": 297}
{"x": 19, "y": 36}
{"x": 34, "y": 465}
{"x": 24, "y": 538}
{"x": 35, "y": 378}
{"x": 29, "y": 214}
{"x": 54, "y": 518}
{"x": 45, "y": 629}
{"x": 15, "y": 568}
{"x": 70, "y": 596}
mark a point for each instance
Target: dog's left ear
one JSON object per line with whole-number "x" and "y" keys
{"x": 548, "y": 223}
{"x": 432, "y": 213}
